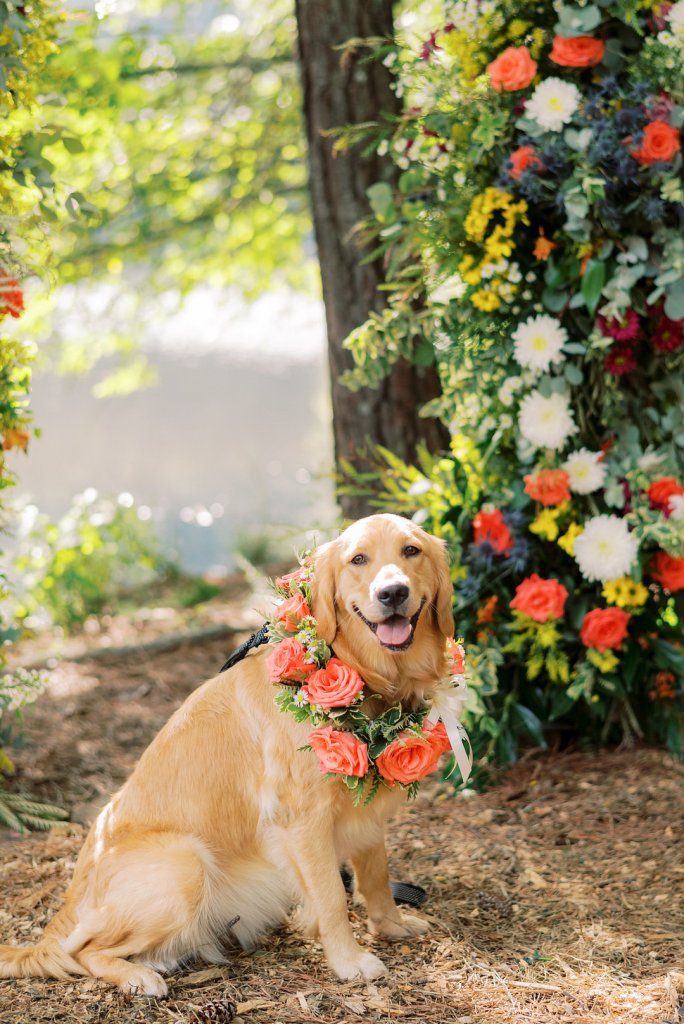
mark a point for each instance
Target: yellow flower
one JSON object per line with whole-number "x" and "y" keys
{"x": 605, "y": 662}
{"x": 547, "y": 634}
{"x": 567, "y": 541}
{"x": 625, "y": 593}
{"x": 518, "y": 28}
{"x": 545, "y": 524}
{"x": 486, "y": 300}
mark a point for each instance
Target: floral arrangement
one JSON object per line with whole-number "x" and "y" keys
{"x": 536, "y": 252}
{"x": 395, "y": 748}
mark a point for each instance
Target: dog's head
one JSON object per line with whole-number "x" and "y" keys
{"x": 382, "y": 596}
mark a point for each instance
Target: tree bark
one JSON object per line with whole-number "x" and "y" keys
{"x": 338, "y": 92}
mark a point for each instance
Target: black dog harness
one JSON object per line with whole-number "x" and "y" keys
{"x": 257, "y": 639}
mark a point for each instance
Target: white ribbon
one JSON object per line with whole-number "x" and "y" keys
{"x": 448, "y": 701}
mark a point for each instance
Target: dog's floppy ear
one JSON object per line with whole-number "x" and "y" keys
{"x": 443, "y": 600}
{"x": 323, "y": 586}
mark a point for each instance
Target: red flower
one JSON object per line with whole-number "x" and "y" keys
{"x": 668, "y": 335}
{"x": 491, "y": 529}
{"x": 668, "y": 571}
{"x": 548, "y": 486}
{"x": 577, "y": 51}
{"x": 522, "y": 158}
{"x": 661, "y": 142}
{"x": 11, "y": 296}
{"x": 626, "y": 329}
{"x": 604, "y": 628}
{"x": 660, "y": 492}
{"x": 540, "y": 599}
{"x": 620, "y": 359}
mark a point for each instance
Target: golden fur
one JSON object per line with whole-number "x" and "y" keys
{"x": 224, "y": 817}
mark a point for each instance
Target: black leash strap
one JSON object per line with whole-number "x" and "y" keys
{"x": 256, "y": 640}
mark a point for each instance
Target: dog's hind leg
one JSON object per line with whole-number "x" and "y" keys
{"x": 148, "y": 898}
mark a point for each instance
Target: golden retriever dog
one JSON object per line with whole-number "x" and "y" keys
{"x": 225, "y": 824}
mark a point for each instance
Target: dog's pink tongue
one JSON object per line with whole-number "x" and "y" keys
{"x": 395, "y": 632}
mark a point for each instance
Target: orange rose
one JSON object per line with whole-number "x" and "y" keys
{"x": 16, "y": 439}
{"x": 491, "y": 529}
{"x": 339, "y": 752}
{"x": 437, "y": 736}
{"x": 292, "y": 611}
{"x": 548, "y": 486}
{"x": 513, "y": 69}
{"x": 408, "y": 758}
{"x": 661, "y": 490}
{"x": 287, "y": 662}
{"x": 668, "y": 571}
{"x": 334, "y": 686}
{"x": 285, "y": 582}
{"x": 661, "y": 142}
{"x": 522, "y": 158}
{"x": 457, "y": 655}
{"x": 577, "y": 51}
{"x": 540, "y": 599}
{"x": 604, "y": 628}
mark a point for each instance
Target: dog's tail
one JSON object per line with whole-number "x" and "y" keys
{"x": 47, "y": 959}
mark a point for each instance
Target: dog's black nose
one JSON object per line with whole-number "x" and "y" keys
{"x": 394, "y": 595}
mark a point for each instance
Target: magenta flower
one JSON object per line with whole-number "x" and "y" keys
{"x": 626, "y": 329}
{"x": 620, "y": 359}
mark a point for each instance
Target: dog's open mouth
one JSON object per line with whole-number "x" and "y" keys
{"x": 395, "y": 632}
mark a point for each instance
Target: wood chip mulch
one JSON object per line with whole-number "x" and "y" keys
{"x": 557, "y": 897}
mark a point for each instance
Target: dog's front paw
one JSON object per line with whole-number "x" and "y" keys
{"x": 142, "y": 981}
{"x": 404, "y": 926}
{"x": 366, "y": 965}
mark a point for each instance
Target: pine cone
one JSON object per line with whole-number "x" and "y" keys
{"x": 216, "y": 1011}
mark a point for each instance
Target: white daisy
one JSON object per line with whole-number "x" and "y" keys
{"x": 677, "y": 506}
{"x": 605, "y": 550}
{"x": 508, "y": 389}
{"x": 586, "y": 471}
{"x": 538, "y": 342}
{"x": 553, "y": 103}
{"x": 546, "y": 422}
{"x": 675, "y": 20}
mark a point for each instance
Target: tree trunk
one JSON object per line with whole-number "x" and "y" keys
{"x": 338, "y": 92}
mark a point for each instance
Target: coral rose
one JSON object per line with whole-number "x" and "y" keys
{"x": 661, "y": 142}
{"x": 408, "y": 758}
{"x": 491, "y": 529}
{"x": 285, "y": 582}
{"x": 604, "y": 628}
{"x": 522, "y": 158}
{"x": 513, "y": 69}
{"x": 548, "y": 486}
{"x": 437, "y": 735}
{"x": 457, "y": 656}
{"x": 334, "y": 686}
{"x": 292, "y": 611}
{"x": 668, "y": 571}
{"x": 577, "y": 51}
{"x": 540, "y": 599}
{"x": 339, "y": 752}
{"x": 661, "y": 490}
{"x": 288, "y": 662}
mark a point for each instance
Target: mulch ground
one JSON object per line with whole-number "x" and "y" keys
{"x": 555, "y": 897}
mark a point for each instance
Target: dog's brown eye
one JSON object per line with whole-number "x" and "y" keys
{"x": 359, "y": 560}
{"x": 410, "y": 551}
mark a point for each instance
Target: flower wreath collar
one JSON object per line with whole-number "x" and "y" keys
{"x": 397, "y": 748}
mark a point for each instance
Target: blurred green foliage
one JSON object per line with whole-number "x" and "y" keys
{"x": 82, "y": 564}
